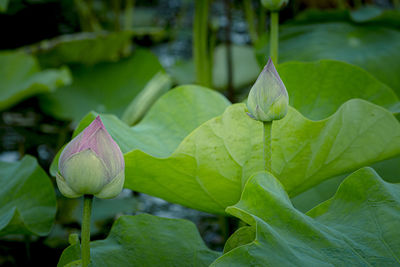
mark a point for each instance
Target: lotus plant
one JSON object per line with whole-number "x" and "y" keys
{"x": 268, "y": 101}
{"x": 90, "y": 165}
{"x": 274, "y": 6}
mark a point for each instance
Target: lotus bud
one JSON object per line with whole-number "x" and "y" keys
{"x": 91, "y": 164}
{"x": 268, "y": 99}
{"x": 274, "y": 5}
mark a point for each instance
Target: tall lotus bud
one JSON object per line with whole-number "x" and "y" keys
{"x": 274, "y": 5}
{"x": 268, "y": 99}
{"x": 91, "y": 164}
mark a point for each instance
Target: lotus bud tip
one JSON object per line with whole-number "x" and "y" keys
{"x": 268, "y": 99}
{"x": 92, "y": 163}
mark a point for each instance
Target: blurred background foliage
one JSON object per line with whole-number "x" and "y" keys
{"x": 60, "y": 60}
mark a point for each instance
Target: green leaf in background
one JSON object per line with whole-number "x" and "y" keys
{"x": 146, "y": 240}
{"x": 315, "y": 15}
{"x": 375, "y": 49}
{"x": 83, "y": 48}
{"x": 27, "y": 198}
{"x": 211, "y": 164}
{"x": 183, "y": 72}
{"x": 21, "y": 77}
{"x": 104, "y": 212}
{"x": 357, "y": 227}
{"x": 365, "y": 15}
{"x": 155, "y": 88}
{"x": 244, "y": 66}
{"x": 387, "y": 169}
{"x": 376, "y": 14}
{"x": 105, "y": 87}
{"x": 3, "y": 5}
{"x": 318, "y": 89}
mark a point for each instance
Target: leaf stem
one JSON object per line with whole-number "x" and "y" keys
{"x": 200, "y": 43}
{"x": 249, "y": 15}
{"x": 261, "y": 20}
{"x": 128, "y": 20}
{"x": 116, "y": 5}
{"x": 27, "y": 239}
{"x": 274, "y": 36}
{"x": 358, "y": 3}
{"x": 87, "y": 18}
{"x": 230, "y": 89}
{"x": 85, "y": 234}
{"x": 341, "y": 4}
{"x": 267, "y": 146}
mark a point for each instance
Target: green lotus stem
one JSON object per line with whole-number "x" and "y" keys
{"x": 212, "y": 44}
{"x": 85, "y": 234}
{"x": 86, "y": 16}
{"x": 129, "y": 5}
{"x": 342, "y": 4}
{"x": 261, "y": 20}
{"x": 116, "y": 4}
{"x": 27, "y": 239}
{"x": 229, "y": 60}
{"x": 249, "y": 14}
{"x": 268, "y": 145}
{"x": 200, "y": 43}
{"x": 274, "y": 36}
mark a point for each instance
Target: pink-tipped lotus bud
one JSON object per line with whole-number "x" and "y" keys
{"x": 268, "y": 99}
{"x": 91, "y": 164}
{"x": 274, "y": 5}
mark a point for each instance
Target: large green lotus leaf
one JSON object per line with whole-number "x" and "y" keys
{"x": 318, "y": 89}
{"x": 174, "y": 116}
{"x": 367, "y": 14}
{"x": 105, "y": 87}
{"x": 27, "y": 198}
{"x": 358, "y": 134}
{"x": 146, "y": 240}
{"x": 83, "y": 48}
{"x": 375, "y": 49}
{"x": 21, "y": 77}
{"x": 209, "y": 167}
{"x": 155, "y": 88}
{"x": 357, "y": 227}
